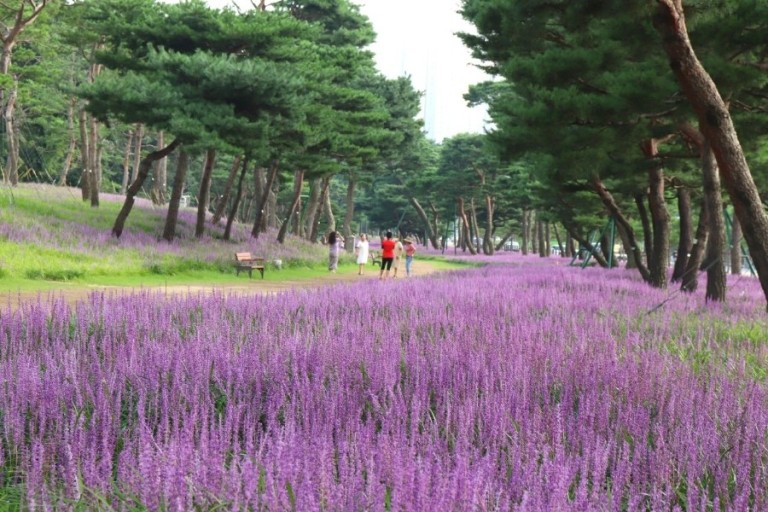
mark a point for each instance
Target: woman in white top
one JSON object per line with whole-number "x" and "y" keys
{"x": 362, "y": 253}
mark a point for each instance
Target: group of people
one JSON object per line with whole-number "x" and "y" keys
{"x": 392, "y": 251}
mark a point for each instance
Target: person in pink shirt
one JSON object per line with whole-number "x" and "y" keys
{"x": 410, "y": 250}
{"x": 387, "y": 254}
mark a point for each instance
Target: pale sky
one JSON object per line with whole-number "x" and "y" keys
{"x": 416, "y": 38}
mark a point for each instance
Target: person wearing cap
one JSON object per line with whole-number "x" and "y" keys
{"x": 410, "y": 250}
{"x": 387, "y": 254}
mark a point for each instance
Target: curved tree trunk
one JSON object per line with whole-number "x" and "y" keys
{"x": 257, "y": 222}
{"x": 144, "y": 167}
{"x": 716, "y": 242}
{"x": 685, "y": 241}
{"x": 203, "y": 195}
{"x": 690, "y": 278}
{"x": 238, "y": 197}
{"x": 182, "y": 165}
{"x": 717, "y": 126}
{"x": 313, "y": 207}
{"x": 598, "y": 255}
{"x": 626, "y": 230}
{"x": 645, "y": 221}
{"x": 298, "y": 183}
{"x": 504, "y": 240}
{"x": 465, "y": 231}
{"x": 221, "y": 205}
{"x": 328, "y": 207}
{"x": 424, "y": 220}
{"x": 324, "y": 184}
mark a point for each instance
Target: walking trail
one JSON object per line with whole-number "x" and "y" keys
{"x": 253, "y": 286}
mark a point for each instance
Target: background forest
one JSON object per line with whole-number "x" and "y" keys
{"x": 277, "y": 118}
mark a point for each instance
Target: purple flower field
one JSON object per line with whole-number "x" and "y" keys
{"x": 509, "y": 387}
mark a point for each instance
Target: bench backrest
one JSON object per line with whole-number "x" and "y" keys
{"x": 243, "y": 256}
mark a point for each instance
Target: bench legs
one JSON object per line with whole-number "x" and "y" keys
{"x": 250, "y": 272}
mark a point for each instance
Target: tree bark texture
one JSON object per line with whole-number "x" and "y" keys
{"x": 324, "y": 185}
{"x": 717, "y": 126}
{"x": 645, "y": 221}
{"x": 72, "y": 142}
{"x": 465, "y": 230}
{"x": 144, "y": 167}
{"x": 238, "y": 197}
{"x": 714, "y": 261}
{"x": 94, "y": 157}
{"x": 159, "y": 190}
{"x": 524, "y": 232}
{"x": 204, "y": 193}
{"x": 424, "y": 220}
{"x": 85, "y": 179}
{"x": 182, "y": 166}
{"x": 127, "y": 163}
{"x": 139, "y": 137}
{"x": 260, "y": 208}
{"x": 313, "y": 207}
{"x": 349, "y": 203}
{"x": 690, "y": 278}
{"x": 736, "y": 237}
{"x": 626, "y": 230}
{"x": 328, "y": 207}
{"x": 685, "y": 242}
{"x": 298, "y": 183}
{"x": 221, "y": 204}
{"x": 658, "y": 260}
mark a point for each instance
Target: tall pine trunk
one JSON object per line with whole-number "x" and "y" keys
{"x": 465, "y": 229}
{"x": 159, "y": 191}
{"x": 221, "y": 204}
{"x": 182, "y": 166}
{"x": 690, "y": 278}
{"x": 658, "y": 260}
{"x": 349, "y": 203}
{"x": 72, "y": 146}
{"x": 716, "y": 242}
{"x": 127, "y": 163}
{"x": 685, "y": 242}
{"x": 236, "y": 201}
{"x": 258, "y": 226}
{"x": 298, "y": 183}
{"x": 313, "y": 207}
{"x": 204, "y": 193}
{"x": 735, "y": 246}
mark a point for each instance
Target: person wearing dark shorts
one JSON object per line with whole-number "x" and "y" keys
{"x": 387, "y": 254}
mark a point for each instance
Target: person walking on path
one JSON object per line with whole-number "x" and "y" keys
{"x": 410, "y": 250}
{"x": 362, "y": 253}
{"x": 398, "y": 256}
{"x": 387, "y": 254}
{"x": 334, "y": 247}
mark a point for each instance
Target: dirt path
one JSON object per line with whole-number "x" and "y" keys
{"x": 250, "y": 287}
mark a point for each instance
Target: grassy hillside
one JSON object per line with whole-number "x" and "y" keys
{"x": 49, "y": 236}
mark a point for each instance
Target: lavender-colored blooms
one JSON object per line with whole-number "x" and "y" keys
{"x": 78, "y": 238}
{"x": 528, "y": 387}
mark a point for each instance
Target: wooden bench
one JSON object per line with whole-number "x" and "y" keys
{"x": 244, "y": 261}
{"x": 375, "y": 257}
